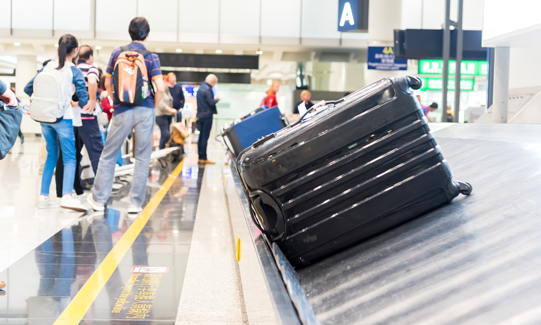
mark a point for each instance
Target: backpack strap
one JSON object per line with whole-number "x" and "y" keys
{"x": 145, "y": 52}
{"x": 125, "y": 48}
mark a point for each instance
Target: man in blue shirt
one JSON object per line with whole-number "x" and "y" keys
{"x": 178, "y": 94}
{"x": 140, "y": 119}
{"x": 206, "y": 108}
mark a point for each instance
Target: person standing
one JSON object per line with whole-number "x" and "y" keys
{"x": 164, "y": 114}
{"x": 425, "y": 108}
{"x": 88, "y": 134}
{"x": 305, "y": 98}
{"x": 90, "y": 131}
{"x": 206, "y": 108}
{"x": 61, "y": 132}
{"x": 177, "y": 93}
{"x": 138, "y": 116}
{"x": 270, "y": 100}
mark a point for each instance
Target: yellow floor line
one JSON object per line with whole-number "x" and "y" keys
{"x": 76, "y": 310}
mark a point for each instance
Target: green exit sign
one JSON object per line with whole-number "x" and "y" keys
{"x": 468, "y": 68}
{"x": 437, "y": 84}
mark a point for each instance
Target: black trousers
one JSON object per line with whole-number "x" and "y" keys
{"x": 205, "y": 125}
{"x": 59, "y": 173}
{"x": 91, "y": 136}
{"x": 164, "y": 122}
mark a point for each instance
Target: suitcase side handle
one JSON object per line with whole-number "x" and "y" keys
{"x": 271, "y": 219}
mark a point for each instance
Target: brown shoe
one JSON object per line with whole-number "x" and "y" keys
{"x": 208, "y": 162}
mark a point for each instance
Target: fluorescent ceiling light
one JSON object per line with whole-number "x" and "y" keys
{"x": 218, "y": 51}
{"x": 179, "y": 50}
{"x": 17, "y": 44}
{"x": 98, "y": 47}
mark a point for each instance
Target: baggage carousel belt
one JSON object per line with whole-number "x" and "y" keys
{"x": 473, "y": 261}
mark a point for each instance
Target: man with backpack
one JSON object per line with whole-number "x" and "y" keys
{"x": 129, "y": 77}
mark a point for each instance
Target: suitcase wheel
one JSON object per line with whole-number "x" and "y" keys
{"x": 465, "y": 188}
{"x": 414, "y": 82}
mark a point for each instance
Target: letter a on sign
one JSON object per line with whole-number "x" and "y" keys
{"x": 347, "y": 15}
{"x": 348, "y": 12}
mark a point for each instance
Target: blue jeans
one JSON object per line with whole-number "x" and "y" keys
{"x": 205, "y": 125}
{"x": 141, "y": 120}
{"x": 54, "y": 133}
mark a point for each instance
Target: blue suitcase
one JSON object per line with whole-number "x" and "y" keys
{"x": 243, "y": 134}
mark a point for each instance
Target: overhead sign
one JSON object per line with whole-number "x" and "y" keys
{"x": 437, "y": 84}
{"x": 382, "y": 58}
{"x": 468, "y": 67}
{"x": 352, "y": 15}
{"x": 190, "y": 91}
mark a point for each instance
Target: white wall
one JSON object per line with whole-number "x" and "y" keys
{"x": 73, "y": 15}
{"x": 5, "y": 22}
{"x": 512, "y": 23}
{"x": 199, "y": 21}
{"x": 239, "y": 21}
{"x": 319, "y": 20}
{"x": 429, "y": 14}
{"x": 384, "y": 17}
{"x": 524, "y": 69}
{"x": 289, "y": 29}
{"x": 163, "y": 22}
{"x": 113, "y": 18}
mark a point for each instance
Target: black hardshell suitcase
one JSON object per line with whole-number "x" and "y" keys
{"x": 364, "y": 165}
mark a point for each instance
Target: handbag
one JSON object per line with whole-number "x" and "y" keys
{"x": 10, "y": 124}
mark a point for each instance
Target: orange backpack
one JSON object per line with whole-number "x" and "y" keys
{"x": 130, "y": 77}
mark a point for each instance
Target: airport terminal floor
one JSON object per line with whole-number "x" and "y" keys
{"x": 111, "y": 268}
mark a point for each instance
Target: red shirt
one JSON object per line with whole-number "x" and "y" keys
{"x": 271, "y": 101}
{"x": 107, "y": 108}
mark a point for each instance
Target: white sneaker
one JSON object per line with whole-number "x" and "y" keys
{"x": 73, "y": 204}
{"x": 134, "y": 209}
{"x": 95, "y": 205}
{"x": 47, "y": 203}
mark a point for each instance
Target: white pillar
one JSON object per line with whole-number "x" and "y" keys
{"x": 26, "y": 70}
{"x": 384, "y": 17}
{"x": 501, "y": 85}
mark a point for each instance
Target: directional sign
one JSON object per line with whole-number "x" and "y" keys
{"x": 382, "y": 58}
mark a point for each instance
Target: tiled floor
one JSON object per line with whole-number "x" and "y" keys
{"x": 24, "y": 226}
{"x": 60, "y": 251}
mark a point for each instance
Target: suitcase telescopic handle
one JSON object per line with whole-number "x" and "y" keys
{"x": 313, "y": 108}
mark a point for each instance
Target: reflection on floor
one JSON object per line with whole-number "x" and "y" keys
{"x": 43, "y": 282}
{"x": 24, "y": 226}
